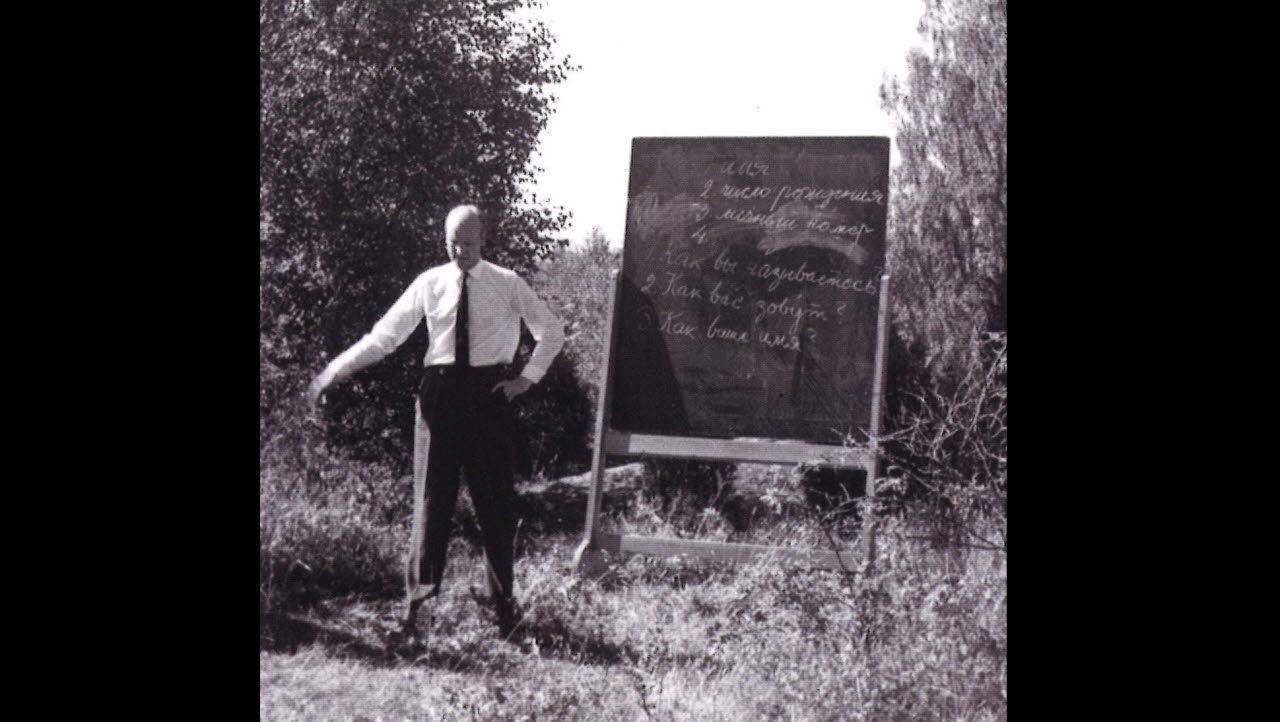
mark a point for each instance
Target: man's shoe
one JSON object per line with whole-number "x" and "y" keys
{"x": 423, "y": 591}
{"x": 416, "y": 597}
{"x": 509, "y": 616}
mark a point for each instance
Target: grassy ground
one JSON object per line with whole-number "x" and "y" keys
{"x": 922, "y": 637}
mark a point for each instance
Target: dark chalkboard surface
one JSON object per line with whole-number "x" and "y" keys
{"x": 750, "y": 286}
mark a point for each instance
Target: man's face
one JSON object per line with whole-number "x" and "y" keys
{"x": 465, "y": 244}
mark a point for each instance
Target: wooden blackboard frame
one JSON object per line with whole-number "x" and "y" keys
{"x": 590, "y": 558}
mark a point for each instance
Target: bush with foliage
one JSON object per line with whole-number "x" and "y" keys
{"x": 949, "y": 218}
{"x": 947, "y": 385}
{"x": 950, "y": 448}
{"x": 575, "y": 282}
{"x": 558, "y": 415}
{"x": 327, "y": 525}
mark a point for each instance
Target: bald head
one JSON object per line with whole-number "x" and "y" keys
{"x": 464, "y": 236}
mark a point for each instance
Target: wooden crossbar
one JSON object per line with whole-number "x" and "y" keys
{"x": 737, "y": 450}
{"x": 725, "y": 551}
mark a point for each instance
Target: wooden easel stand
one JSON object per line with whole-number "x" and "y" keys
{"x": 590, "y": 557}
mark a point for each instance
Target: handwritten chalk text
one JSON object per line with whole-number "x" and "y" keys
{"x": 771, "y": 220}
{"x": 715, "y": 331}
{"x": 681, "y": 259}
{"x": 855, "y": 232}
{"x": 824, "y": 196}
{"x": 746, "y": 168}
{"x": 725, "y": 299}
{"x": 797, "y": 310}
{"x": 677, "y": 287}
{"x": 800, "y": 274}
{"x": 673, "y": 326}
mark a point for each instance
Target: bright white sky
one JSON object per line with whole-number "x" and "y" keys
{"x": 707, "y": 68}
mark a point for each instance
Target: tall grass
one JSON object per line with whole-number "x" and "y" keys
{"x": 923, "y": 637}
{"x": 326, "y": 525}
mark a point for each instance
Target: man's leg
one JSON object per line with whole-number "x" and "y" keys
{"x": 434, "y": 505}
{"x": 490, "y": 485}
{"x": 441, "y": 501}
{"x": 490, "y": 480}
{"x": 491, "y": 492}
{"x": 421, "y": 450}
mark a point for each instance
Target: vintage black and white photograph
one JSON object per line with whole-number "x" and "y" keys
{"x": 632, "y": 361}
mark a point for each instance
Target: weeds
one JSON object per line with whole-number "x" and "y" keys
{"x": 923, "y": 637}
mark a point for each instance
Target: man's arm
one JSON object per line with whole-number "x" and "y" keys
{"x": 548, "y": 332}
{"x": 388, "y": 333}
{"x": 361, "y": 355}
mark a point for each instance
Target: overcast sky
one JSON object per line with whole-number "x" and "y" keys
{"x": 707, "y": 68}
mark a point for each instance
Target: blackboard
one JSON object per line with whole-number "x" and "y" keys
{"x": 750, "y": 287}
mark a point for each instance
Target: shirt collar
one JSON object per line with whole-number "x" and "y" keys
{"x": 475, "y": 271}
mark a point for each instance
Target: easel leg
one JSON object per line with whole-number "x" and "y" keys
{"x": 589, "y": 562}
{"x": 869, "y": 515}
{"x": 877, "y": 409}
{"x": 589, "y": 559}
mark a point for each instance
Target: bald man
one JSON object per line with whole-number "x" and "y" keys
{"x": 464, "y": 423}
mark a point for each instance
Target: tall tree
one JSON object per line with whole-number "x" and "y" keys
{"x": 376, "y": 118}
{"x": 949, "y": 199}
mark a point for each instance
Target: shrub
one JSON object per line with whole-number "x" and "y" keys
{"x": 575, "y": 283}
{"x": 555, "y": 420}
{"x": 558, "y": 418}
{"x": 948, "y": 450}
{"x": 308, "y": 551}
{"x": 327, "y": 525}
{"x": 686, "y": 488}
{"x": 949, "y": 216}
{"x": 946, "y": 390}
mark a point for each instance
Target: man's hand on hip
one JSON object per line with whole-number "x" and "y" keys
{"x": 514, "y": 387}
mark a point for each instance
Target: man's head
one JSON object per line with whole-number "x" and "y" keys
{"x": 464, "y": 236}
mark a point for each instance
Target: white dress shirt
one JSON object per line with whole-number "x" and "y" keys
{"x": 498, "y": 299}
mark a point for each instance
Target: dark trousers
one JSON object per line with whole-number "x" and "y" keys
{"x": 472, "y": 430}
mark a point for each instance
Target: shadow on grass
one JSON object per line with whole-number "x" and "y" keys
{"x": 287, "y": 634}
{"x": 377, "y": 646}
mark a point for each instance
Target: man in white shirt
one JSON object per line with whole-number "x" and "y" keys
{"x": 464, "y": 420}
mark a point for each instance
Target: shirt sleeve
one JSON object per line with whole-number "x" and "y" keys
{"x": 388, "y": 333}
{"x": 546, "y": 328}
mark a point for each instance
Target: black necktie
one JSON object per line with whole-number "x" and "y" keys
{"x": 462, "y": 338}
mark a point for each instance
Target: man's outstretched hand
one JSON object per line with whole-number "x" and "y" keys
{"x": 316, "y": 391}
{"x": 514, "y": 387}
